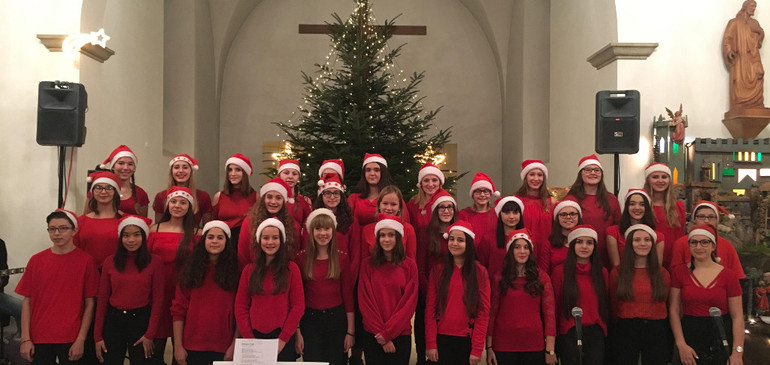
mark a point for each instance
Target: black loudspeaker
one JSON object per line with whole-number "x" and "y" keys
{"x": 617, "y": 121}
{"x": 61, "y": 113}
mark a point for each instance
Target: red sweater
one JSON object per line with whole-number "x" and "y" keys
{"x": 365, "y": 210}
{"x": 267, "y": 311}
{"x": 518, "y": 321}
{"x": 387, "y": 297}
{"x": 97, "y": 236}
{"x": 323, "y": 293}
{"x": 537, "y": 219}
{"x": 130, "y": 289}
{"x": 454, "y": 321}
{"x": 57, "y": 286}
{"x": 128, "y": 206}
{"x": 232, "y": 208}
{"x": 300, "y": 209}
{"x": 698, "y": 297}
{"x": 642, "y": 306}
{"x": 482, "y": 223}
{"x": 427, "y": 261}
{"x": 165, "y": 244}
{"x": 207, "y": 313}
{"x": 587, "y": 299}
{"x": 672, "y": 233}
{"x": 368, "y": 239}
{"x": 614, "y": 232}
{"x": 593, "y": 215}
{"x": 202, "y": 198}
{"x": 550, "y": 257}
{"x": 728, "y": 257}
{"x": 247, "y": 249}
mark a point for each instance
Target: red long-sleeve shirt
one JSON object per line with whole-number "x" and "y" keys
{"x": 672, "y": 233}
{"x": 165, "y": 245}
{"x": 267, "y": 311}
{"x": 593, "y": 215}
{"x": 130, "y": 289}
{"x": 207, "y": 313}
{"x": 323, "y": 293}
{"x": 642, "y": 306}
{"x": 427, "y": 261}
{"x": 728, "y": 257}
{"x": 550, "y": 257}
{"x": 202, "y": 198}
{"x": 587, "y": 299}
{"x": 97, "y": 236}
{"x": 365, "y": 210}
{"x": 247, "y": 244}
{"x": 300, "y": 213}
{"x": 518, "y": 321}
{"x": 387, "y": 297}
{"x": 232, "y": 209}
{"x": 614, "y": 232}
{"x": 482, "y": 223}
{"x": 454, "y": 321}
{"x": 368, "y": 239}
{"x": 698, "y": 298}
{"x": 537, "y": 219}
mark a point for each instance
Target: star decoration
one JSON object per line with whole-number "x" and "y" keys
{"x": 99, "y": 38}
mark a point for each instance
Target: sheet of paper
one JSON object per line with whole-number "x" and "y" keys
{"x": 251, "y": 351}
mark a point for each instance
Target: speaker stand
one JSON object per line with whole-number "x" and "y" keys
{"x": 62, "y": 153}
{"x": 616, "y": 188}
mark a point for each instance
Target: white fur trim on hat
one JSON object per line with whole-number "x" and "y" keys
{"x": 461, "y": 229}
{"x": 272, "y": 186}
{"x": 589, "y": 162}
{"x": 657, "y": 167}
{"x": 71, "y": 216}
{"x": 389, "y": 223}
{"x": 709, "y": 205}
{"x": 330, "y": 165}
{"x": 517, "y": 236}
{"x": 193, "y": 165}
{"x": 118, "y": 156}
{"x": 271, "y": 222}
{"x": 483, "y": 184}
{"x": 288, "y": 166}
{"x": 105, "y": 180}
{"x": 442, "y": 199}
{"x": 642, "y": 227}
{"x": 375, "y": 159}
{"x": 323, "y": 186}
{"x": 582, "y": 232}
{"x": 217, "y": 224}
{"x": 532, "y": 166}
{"x": 640, "y": 192}
{"x": 703, "y": 232}
{"x": 429, "y": 170}
{"x": 134, "y": 221}
{"x": 503, "y": 201}
{"x": 181, "y": 193}
{"x": 316, "y": 213}
{"x": 566, "y": 203}
{"x": 240, "y": 163}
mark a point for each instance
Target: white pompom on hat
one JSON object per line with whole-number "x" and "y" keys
{"x": 482, "y": 181}
{"x": 186, "y": 158}
{"x": 281, "y": 187}
{"x": 461, "y": 226}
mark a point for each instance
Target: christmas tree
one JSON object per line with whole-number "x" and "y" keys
{"x": 358, "y": 102}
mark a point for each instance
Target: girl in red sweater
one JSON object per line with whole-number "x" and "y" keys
{"x": 387, "y": 296}
{"x": 510, "y": 217}
{"x": 237, "y": 196}
{"x": 122, "y": 162}
{"x": 600, "y": 209}
{"x": 670, "y": 215}
{"x": 331, "y": 195}
{"x": 457, "y": 311}
{"x": 375, "y": 176}
{"x": 270, "y": 300}
{"x": 636, "y": 211}
{"x": 522, "y": 320}
{"x": 481, "y": 215}
{"x": 581, "y": 282}
{"x": 130, "y": 297}
{"x": 429, "y": 181}
{"x": 300, "y": 207}
{"x": 695, "y": 289}
{"x": 99, "y": 228}
{"x": 566, "y": 215}
{"x": 537, "y": 200}
{"x": 182, "y": 174}
{"x": 204, "y": 322}
{"x": 390, "y": 202}
{"x": 326, "y": 331}
{"x": 638, "y": 292}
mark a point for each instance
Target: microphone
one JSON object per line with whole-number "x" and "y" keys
{"x": 577, "y": 313}
{"x": 716, "y": 315}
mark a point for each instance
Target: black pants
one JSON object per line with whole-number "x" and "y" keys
{"x": 288, "y": 353}
{"x": 453, "y": 350}
{"x": 633, "y": 337}
{"x": 702, "y": 335}
{"x": 593, "y": 346}
{"x": 47, "y": 353}
{"x": 324, "y": 334}
{"x": 122, "y": 328}
{"x": 203, "y": 357}
{"x": 234, "y": 233}
{"x": 520, "y": 358}
{"x": 419, "y": 329}
{"x": 375, "y": 355}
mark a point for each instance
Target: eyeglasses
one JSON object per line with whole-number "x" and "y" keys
{"x": 330, "y": 194}
{"x": 568, "y": 215}
{"x": 702, "y": 243}
{"x": 706, "y": 217}
{"x": 593, "y": 170}
{"x": 107, "y": 188}
{"x": 61, "y": 229}
{"x": 445, "y": 208}
{"x": 482, "y": 192}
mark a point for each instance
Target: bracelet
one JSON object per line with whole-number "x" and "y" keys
{"x": 27, "y": 340}
{"x": 350, "y": 334}
{"x": 489, "y": 347}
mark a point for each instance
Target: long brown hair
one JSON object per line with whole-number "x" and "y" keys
{"x": 226, "y": 272}
{"x": 363, "y": 187}
{"x": 510, "y": 272}
{"x": 311, "y": 251}
{"x": 436, "y": 230}
{"x": 557, "y": 239}
{"x": 343, "y": 213}
{"x": 470, "y": 282}
{"x": 570, "y": 290}
{"x": 579, "y": 192}
{"x": 279, "y": 265}
{"x": 398, "y": 254}
{"x": 391, "y": 189}
{"x": 244, "y": 187}
{"x": 542, "y": 192}
{"x": 185, "y": 245}
{"x": 93, "y": 205}
{"x": 259, "y": 213}
{"x": 627, "y": 270}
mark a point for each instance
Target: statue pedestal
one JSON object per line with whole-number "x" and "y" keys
{"x": 746, "y": 123}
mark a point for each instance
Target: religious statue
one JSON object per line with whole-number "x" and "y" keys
{"x": 678, "y": 123}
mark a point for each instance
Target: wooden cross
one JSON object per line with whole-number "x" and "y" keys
{"x": 397, "y": 29}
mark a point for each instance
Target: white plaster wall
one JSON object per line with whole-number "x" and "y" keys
{"x": 261, "y": 80}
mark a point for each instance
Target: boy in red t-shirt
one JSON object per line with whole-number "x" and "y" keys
{"x": 58, "y": 286}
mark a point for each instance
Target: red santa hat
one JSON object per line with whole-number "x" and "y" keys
{"x": 516, "y": 234}
{"x": 589, "y": 160}
{"x": 499, "y": 203}
{"x": 134, "y": 220}
{"x": 461, "y": 226}
{"x": 429, "y": 169}
{"x": 705, "y": 230}
{"x": 335, "y": 164}
{"x": 656, "y": 167}
{"x": 566, "y": 203}
{"x": 643, "y": 227}
{"x": 176, "y": 191}
{"x": 713, "y": 206}
{"x": 103, "y": 177}
{"x": 73, "y": 218}
{"x": 217, "y": 224}
{"x": 330, "y": 181}
{"x": 241, "y": 161}
{"x": 482, "y": 181}
{"x": 529, "y": 165}
{"x": 374, "y": 157}
{"x": 442, "y": 196}
{"x": 278, "y": 185}
{"x": 186, "y": 158}
{"x": 583, "y": 230}
{"x": 640, "y": 192}
{"x": 271, "y": 222}
{"x": 388, "y": 221}
{"x": 316, "y": 213}
{"x": 117, "y": 153}
{"x": 288, "y": 164}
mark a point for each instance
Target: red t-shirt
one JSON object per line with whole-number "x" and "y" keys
{"x": 97, "y": 236}
{"x": 57, "y": 286}
{"x": 728, "y": 257}
{"x": 387, "y": 297}
{"x": 614, "y": 232}
{"x": 232, "y": 208}
{"x": 482, "y": 223}
{"x": 128, "y": 205}
{"x": 594, "y": 216}
{"x": 202, "y": 198}
{"x": 587, "y": 299}
{"x": 247, "y": 249}
{"x": 323, "y": 293}
{"x": 672, "y": 233}
{"x": 698, "y": 297}
{"x": 537, "y": 219}
{"x": 642, "y": 306}
{"x": 368, "y": 240}
{"x": 365, "y": 210}
{"x": 550, "y": 257}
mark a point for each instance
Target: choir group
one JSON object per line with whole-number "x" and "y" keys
{"x": 524, "y": 278}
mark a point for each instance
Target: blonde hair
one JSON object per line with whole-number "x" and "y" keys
{"x": 669, "y": 203}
